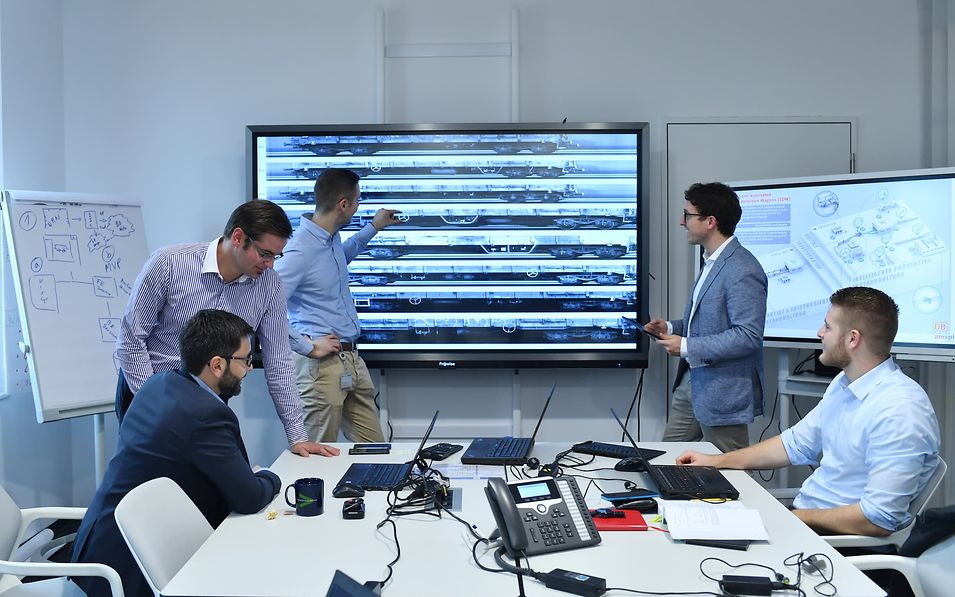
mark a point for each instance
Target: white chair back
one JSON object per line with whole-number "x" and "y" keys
{"x": 10, "y": 519}
{"x": 162, "y": 528}
{"x": 934, "y": 569}
{"x": 921, "y": 500}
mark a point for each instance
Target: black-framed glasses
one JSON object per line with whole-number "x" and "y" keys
{"x": 687, "y": 214}
{"x": 247, "y": 360}
{"x": 266, "y": 255}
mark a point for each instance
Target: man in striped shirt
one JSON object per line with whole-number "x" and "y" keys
{"x": 233, "y": 273}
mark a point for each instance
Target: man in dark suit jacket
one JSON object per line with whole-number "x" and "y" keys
{"x": 720, "y": 337}
{"x": 179, "y": 427}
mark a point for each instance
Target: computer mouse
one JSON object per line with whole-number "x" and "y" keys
{"x": 630, "y": 465}
{"x": 347, "y": 489}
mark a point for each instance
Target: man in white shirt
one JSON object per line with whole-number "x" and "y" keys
{"x": 874, "y": 436}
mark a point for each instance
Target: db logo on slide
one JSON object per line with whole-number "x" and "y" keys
{"x": 941, "y": 326}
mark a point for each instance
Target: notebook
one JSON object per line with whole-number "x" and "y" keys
{"x": 504, "y": 450}
{"x": 677, "y": 482}
{"x": 384, "y": 477}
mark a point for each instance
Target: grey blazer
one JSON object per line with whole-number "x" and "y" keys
{"x": 725, "y": 339}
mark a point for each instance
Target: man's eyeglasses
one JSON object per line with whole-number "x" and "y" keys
{"x": 247, "y": 360}
{"x": 266, "y": 255}
{"x": 687, "y": 214}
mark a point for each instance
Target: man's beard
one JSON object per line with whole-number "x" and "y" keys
{"x": 837, "y": 356}
{"x": 230, "y": 385}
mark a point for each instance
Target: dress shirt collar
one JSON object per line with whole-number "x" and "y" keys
{"x": 210, "y": 265}
{"x": 719, "y": 250}
{"x": 868, "y": 382}
{"x": 206, "y": 387}
{"x": 306, "y": 224}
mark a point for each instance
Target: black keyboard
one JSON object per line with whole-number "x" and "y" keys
{"x": 510, "y": 447}
{"x": 681, "y": 478}
{"x": 615, "y": 450}
{"x": 383, "y": 476}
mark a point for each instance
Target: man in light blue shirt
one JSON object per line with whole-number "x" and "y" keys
{"x": 874, "y": 435}
{"x": 334, "y": 383}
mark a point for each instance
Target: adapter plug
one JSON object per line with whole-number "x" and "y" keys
{"x": 574, "y": 582}
{"x": 746, "y": 585}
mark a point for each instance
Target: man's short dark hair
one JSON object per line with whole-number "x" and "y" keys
{"x": 210, "y": 333}
{"x": 259, "y": 217}
{"x": 717, "y": 200}
{"x": 870, "y": 311}
{"x": 331, "y": 186}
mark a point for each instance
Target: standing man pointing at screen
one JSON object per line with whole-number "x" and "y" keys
{"x": 336, "y": 388}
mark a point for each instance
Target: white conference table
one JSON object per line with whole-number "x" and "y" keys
{"x": 249, "y": 555}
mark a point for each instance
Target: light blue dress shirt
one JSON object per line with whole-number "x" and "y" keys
{"x": 878, "y": 438}
{"x": 314, "y": 272}
{"x": 206, "y": 387}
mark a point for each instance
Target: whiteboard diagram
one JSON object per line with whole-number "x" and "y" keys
{"x": 75, "y": 258}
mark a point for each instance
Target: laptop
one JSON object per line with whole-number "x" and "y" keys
{"x": 385, "y": 477}
{"x": 504, "y": 450}
{"x": 676, "y": 482}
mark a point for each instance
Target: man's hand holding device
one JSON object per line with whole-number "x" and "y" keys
{"x": 655, "y": 328}
{"x": 647, "y": 329}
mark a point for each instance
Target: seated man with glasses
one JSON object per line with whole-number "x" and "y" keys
{"x": 180, "y": 427}
{"x": 234, "y": 273}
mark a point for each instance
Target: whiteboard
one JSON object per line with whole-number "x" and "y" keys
{"x": 14, "y": 372}
{"x": 74, "y": 258}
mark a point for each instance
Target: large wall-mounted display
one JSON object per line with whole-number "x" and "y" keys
{"x": 888, "y": 230}
{"x": 519, "y": 244}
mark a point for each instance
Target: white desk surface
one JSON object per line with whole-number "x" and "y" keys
{"x": 289, "y": 556}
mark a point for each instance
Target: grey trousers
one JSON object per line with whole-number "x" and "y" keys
{"x": 683, "y": 425}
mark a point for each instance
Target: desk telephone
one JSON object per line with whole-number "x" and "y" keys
{"x": 541, "y": 515}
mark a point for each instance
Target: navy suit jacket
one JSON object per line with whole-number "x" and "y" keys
{"x": 175, "y": 429}
{"x": 724, "y": 342}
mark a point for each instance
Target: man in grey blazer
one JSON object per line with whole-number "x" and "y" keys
{"x": 720, "y": 338}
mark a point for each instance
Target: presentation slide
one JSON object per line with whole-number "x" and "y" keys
{"x": 510, "y": 239}
{"x": 894, "y": 234}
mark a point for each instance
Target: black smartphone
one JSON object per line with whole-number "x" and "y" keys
{"x": 640, "y": 327}
{"x": 370, "y": 449}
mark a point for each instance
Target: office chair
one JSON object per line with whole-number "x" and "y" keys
{"x": 14, "y": 523}
{"x": 930, "y": 575}
{"x": 162, "y": 528}
{"x": 898, "y": 537}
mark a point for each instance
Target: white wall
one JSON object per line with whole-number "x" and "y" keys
{"x": 153, "y": 98}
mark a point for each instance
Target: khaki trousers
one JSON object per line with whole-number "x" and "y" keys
{"x": 328, "y": 407}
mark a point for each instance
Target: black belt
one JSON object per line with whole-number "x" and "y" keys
{"x": 349, "y": 346}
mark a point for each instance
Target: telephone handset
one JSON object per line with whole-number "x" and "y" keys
{"x": 540, "y": 515}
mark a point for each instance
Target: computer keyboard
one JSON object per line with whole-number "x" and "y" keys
{"x": 510, "y": 447}
{"x": 615, "y": 450}
{"x": 383, "y": 476}
{"x": 681, "y": 478}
